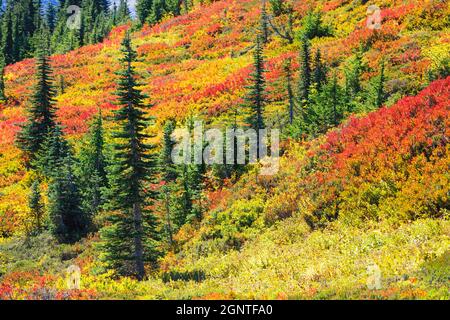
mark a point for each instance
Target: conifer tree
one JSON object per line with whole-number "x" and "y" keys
{"x": 334, "y": 99}
{"x": 320, "y": 72}
{"x": 169, "y": 176}
{"x": 36, "y": 206}
{"x": 68, "y": 222}
{"x": 277, "y": 7}
{"x": 50, "y": 17}
{"x": 305, "y": 72}
{"x": 2, "y": 80}
{"x": 264, "y": 24}
{"x": 290, "y": 91}
{"x": 143, "y": 9}
{"x": 157, "y": 12}
{"x": 41, "y": 115}
{"x": 123, "y": 12}
{"x": 131, "y": 239}
{"x": 91, "y": 168}
{"x": 353, "y": 76}
{"x": 378, "y": 88}
{"x": 255, "y": 99}
{"x": 8, "y": 46}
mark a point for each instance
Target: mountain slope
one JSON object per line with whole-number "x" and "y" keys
{"x": 373, "y": 191}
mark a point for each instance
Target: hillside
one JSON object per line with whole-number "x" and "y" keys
{"x": 374, "y": 190}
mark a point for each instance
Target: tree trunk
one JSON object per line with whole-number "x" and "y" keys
{"x": 138, "y": 248}
{"x": 169, "y": 225}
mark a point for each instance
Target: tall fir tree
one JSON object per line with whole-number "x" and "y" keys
{"x": 131, "y": 239}
{"x": 255, "y": 99}
{"x": 264, "y": 23}
{"x": 123, "y": 14}
{"x": 2, "y": 80}
{"x": 53, "y": 150}
{"x": 143, "y": 10}
{"x": 68, "y": 222}
{"x": 353, "y": 76}
{"x": 50, "y": 17}
{"x": 378, "y": 94}
{"x": 305, "y": 71}
{"x": 91, "y": 168}
{"x": 169, "y": 176}
{"x": 41, "y": 115}
{"x": 290, "y": 90}
{"x": 8, "y": 45}
{"x": 334, "y": 99}
{"x": 320, "y": 70}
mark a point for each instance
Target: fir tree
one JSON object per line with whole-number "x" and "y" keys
{"x": 36, "y": 206}
{"x": 255, "y": 99}
{"x": 68, "y": 223}
{"x": 378, "y": 88}
{"x": 290, "y": 91}
{"x": 305, "y": 72}
{"x": 53, "y": 150}
{"x": 51, "y": 17}
{"x": 2, "y": 80}
{"x": 353, "y": 76}
{"x": 9, "y": 46}
{"x": 62, "y": 85}
{"x": 334, "y": 99}
{"x": 91, "y": 169}
{"x": 132, "y": 239}
{"x": 41, "y": 118}
{"x": 277, "y": 7}
{"x": 157, "y": 12}
{"x": 320, "y": 72}
{"x": 123, "y": 12}
{"x": 169, "y": 176}
{"x": 264, "y": 24}
{"x": 143, "y": 9}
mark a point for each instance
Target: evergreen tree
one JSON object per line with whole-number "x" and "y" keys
{"x": 132, "y": 239}
{"x": 277, "y": 7}
{"x": 320, "y": 72}
{"x": 334, "y": 99}
{"x": 290, "y": 91}
{"x": 264, "y": 24}
{"x": 123, "y": 12}
{"x": 157, "y": 12}
{"x": 313, "y": 26}
{"x": 169, "y": 176}
{"x": 168, "y": 168}
{"x": 353, "y": 76}
{"x": 36, "y": 206}
{"x": 305, "y": 72}
{"x": 174, "y": 6}
{"x": 41, "y": 118}
{"x": 255, "y": 99}
{"x": 62, "y": 85}
{"x": 68, "y": 223}
{"x": 143, "y": 9}
{"x": 91, "y": 169}
{"x": 51, "y": 17}
{"x": 378, "y": 93}
{"x": 8, "y": 40}
{"x": 2, "y": 80}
